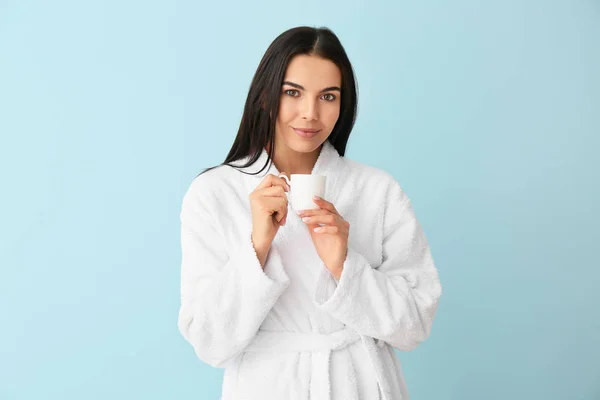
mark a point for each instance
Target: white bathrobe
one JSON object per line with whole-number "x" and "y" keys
{"x": 293, "y": 331}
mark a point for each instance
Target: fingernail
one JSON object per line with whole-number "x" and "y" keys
{"x": 300, "y": 212}
{"x": 318, "y": 229}
{"x": 306, "y": 219}
{"x": 316, "y": 198}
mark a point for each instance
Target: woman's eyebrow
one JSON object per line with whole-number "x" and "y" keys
{"x": 328, "y": 89}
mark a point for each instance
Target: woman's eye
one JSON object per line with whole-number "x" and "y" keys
{"x": 291, "y": 92}
{"x": 329, "y": 97}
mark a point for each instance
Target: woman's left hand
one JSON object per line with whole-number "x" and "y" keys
{"x": 331, "y": 239}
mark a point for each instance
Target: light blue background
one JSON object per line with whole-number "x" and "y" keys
{"x": 488, "y": 113}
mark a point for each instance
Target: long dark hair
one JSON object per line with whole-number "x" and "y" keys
{"x": 257, "y": 128}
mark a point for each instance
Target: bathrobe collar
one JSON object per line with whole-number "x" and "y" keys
{"x": 327, "y": 158}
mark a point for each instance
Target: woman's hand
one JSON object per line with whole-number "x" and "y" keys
{"x": 269, "y": 207}
{"x": 331, "y": 239}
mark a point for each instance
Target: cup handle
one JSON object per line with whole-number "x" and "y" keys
{"x": 282, "y": 175}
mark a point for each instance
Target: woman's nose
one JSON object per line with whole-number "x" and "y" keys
{"x": 310, "y": 110}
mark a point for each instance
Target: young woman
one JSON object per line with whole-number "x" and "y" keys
{"x": 305, "y": 305}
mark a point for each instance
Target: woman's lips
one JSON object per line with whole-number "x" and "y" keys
{"x": 307, "y": 133}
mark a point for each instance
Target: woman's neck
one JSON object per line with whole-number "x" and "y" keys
{"x": 293, "y": 162}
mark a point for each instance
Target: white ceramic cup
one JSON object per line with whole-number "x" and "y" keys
{"x": 302, "y": 189}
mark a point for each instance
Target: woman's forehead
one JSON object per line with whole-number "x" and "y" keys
{"x": 313, "y": 73}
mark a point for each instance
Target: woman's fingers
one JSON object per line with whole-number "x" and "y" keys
{"x": 326, "y": 229}
{"x": 324, "y": 204}
{"x": 277, "y": 206}
{"x": 311, "y": 212}
{"x": 272, "y": 180}
{"x": 327, "y": 219}
{"x": 272, "y": 191}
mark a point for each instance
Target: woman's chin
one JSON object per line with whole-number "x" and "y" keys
{"x": 305, "y": 146}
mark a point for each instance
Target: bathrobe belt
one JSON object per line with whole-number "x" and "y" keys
{"x": 320, "y": 346}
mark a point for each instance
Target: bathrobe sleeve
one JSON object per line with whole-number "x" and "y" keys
{"x": 396, "y": 301}
{"x": 225, "y": 294}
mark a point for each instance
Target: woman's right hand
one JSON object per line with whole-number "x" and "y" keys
{"x": 269, "y": 206}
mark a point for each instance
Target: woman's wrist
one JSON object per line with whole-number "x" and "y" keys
{"x": 262, "y": 250}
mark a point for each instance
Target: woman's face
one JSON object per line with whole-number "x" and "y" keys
{"x": 310, "y": 99}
